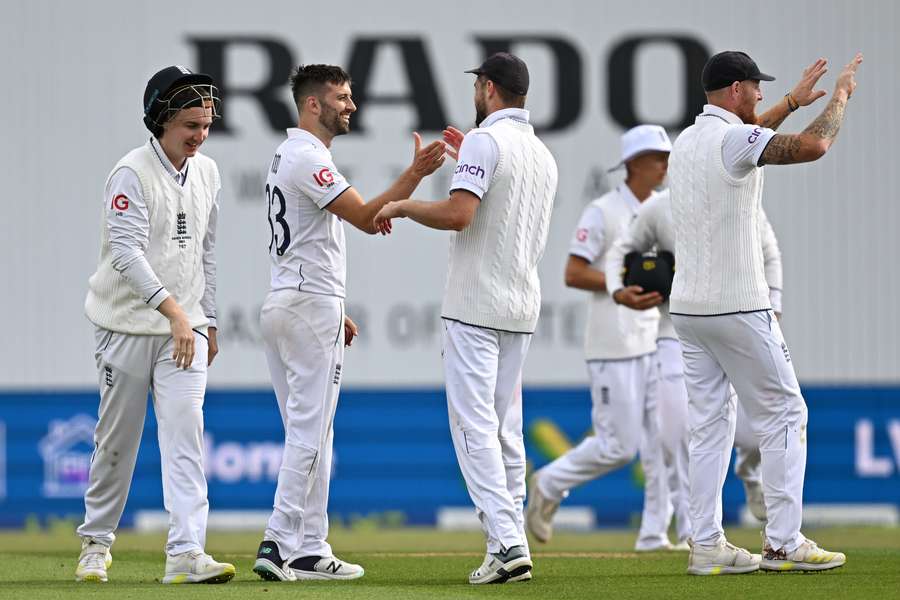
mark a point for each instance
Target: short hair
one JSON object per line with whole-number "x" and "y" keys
{"x": 308, "y": 80}
{"x": 509, "y": 98}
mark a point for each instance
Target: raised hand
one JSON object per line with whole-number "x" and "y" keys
{"x": 453, "y": 138}
{"x": 803, "y": 93}
{"x": 427, "y": 160}
{"x": 846, "y": 81}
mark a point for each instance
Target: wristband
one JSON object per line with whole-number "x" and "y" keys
{"x": 792, "y": 103}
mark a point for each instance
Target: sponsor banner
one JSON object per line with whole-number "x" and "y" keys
{"x": 393, "y": 454}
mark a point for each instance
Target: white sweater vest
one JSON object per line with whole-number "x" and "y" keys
{"x": 179, "y": 216}
{"x": 613, "y": 331}
{"x": 717, "y": 223}
{"x": 493, "y": 278}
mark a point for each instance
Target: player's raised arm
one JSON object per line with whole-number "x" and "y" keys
{"x": 817, "y": 138}
{"x": 351, "y": 207}
{"x": 803, "y": 94}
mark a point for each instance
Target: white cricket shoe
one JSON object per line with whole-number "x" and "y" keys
{"x": 753, "y": 493}
{"x": 93, "y": 563}
{"x": 539, "y": 511}
{"x": 722, "y": 559}
{"x": 501, "y": 567}
{"x": 664, "y": 546}
{"x": 807, "y": 557}
{"x": 196, "y": 567}
{"x": 681, "y": 546}
{"x": 325, "y": 567}
{"x": 526, "y": 576}
{"x": 269, "y": 565}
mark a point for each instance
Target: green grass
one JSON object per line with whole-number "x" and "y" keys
{"x": 424, "y": 563}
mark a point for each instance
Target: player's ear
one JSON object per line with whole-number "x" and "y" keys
{"x": 311, "y": 103}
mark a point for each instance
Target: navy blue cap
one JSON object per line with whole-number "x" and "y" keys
{"x": 506, "y": 70}
{"x": 725, "y": 68}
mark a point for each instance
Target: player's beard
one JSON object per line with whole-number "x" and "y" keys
{"x": 747, "y": 113}
{"x": 331, "y": 120}
{"x": 480, "y": 110}
{"x": 748, "y": 116}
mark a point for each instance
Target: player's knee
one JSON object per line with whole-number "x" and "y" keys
{"x": 617, "y": 452}
{"x": 480, "y": 439}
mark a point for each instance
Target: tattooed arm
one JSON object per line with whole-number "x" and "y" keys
{"x": 817, "y": 138}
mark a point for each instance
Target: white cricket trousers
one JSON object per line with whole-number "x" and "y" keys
{"x": 675, "y": 434}
{"x": 748, "y": 350}
{"x": 304, "y": 344}
{"x": 624, "y": 404}
{"x": 483, "y": 378}
{"x": 130, "y": 366}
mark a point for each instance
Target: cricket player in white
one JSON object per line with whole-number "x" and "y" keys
{"x": 303, "y": 320}
{"x": 722, "y": 313}
{"x": 152, "y": 300}
{"x": 651, "y": 230}
{"x": 501, "y": 197}
{"x": 620, "y": 350}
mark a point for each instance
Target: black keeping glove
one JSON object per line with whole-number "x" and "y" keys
{"x": 652, "y": 271}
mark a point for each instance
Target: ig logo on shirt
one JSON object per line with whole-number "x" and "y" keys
{"x": 119, "y": 203}
{"x": 325, "y": 178}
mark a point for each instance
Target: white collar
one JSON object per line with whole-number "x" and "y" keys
{"x": 629, "y": 197}
{"x": 711, "y": 110}
{"x": 179, "y": 176}
{"x": 517, "y": 114}
{"x": 297, "y": 132}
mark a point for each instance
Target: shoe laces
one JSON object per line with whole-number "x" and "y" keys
{"x": 812, "y": 547}
{"x": 94, "y": 560}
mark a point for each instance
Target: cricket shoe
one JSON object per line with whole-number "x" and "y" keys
{"x": 681, "y": 546}
{"x": 539, "y": 512}
{"x": 526, "y": 576}
{"x": 94, "y": 561}
{"x": 500, "y": 567}
{"x": 722, "y": 559}
{"x": 663, "y": 546}
{"x": 196, "y": 567}
{"x": 269, "y": 565}
{"x": 807, "y": 557}
{"x": 753, "y": 494}
{"x": 325, "y": 567}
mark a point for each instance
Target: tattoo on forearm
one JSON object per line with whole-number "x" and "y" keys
{"x": 782, "y": 150}
{"x": 785, "y": 149}
{"x": 771, "y": 121}
{"x": 827, "y": 125}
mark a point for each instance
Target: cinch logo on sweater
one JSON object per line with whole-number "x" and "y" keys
{"x": 755, "y": 135}
{"x": 470, "y": 169}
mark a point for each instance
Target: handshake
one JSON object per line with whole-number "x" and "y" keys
{"x": 426, "y": 160}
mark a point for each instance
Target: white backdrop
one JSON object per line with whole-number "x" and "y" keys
{"x": 74, "y": 73}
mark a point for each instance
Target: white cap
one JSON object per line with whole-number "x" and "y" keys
{"x": 641, "y": 140}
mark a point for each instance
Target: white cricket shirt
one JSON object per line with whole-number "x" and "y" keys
{"x": 612, "y": 331}
{"x": 306, "y": 244}
{"x": 651, "y": 230}
{"x": 716, "y": 189}
{"x": 492, "y": 278}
